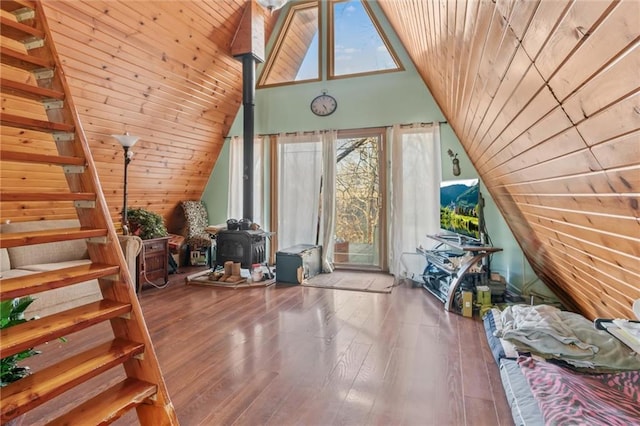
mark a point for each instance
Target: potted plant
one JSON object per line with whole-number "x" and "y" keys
{"x": 12, "y": 313}
{"x": 146, "y": 224}
{"x": 11, "y": 370}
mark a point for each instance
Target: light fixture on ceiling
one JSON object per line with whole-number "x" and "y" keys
{"x": 456, "y": 163}
{"x": 127, "y": 141}
{"x": 272, "y": 5}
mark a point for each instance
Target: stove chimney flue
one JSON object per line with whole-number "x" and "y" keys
{"x": 248, "y": 105}
{"x": 248, "y": 47}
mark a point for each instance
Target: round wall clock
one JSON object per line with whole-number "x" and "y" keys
{"x": 324, "y": 105}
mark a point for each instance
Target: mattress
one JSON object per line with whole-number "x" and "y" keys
{"x": 524, "y": 408}
{"x": 547, "y": 392}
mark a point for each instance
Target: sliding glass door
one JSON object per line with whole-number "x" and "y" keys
{"x": 344, "y": 214}
{"x": 359, "y": 199}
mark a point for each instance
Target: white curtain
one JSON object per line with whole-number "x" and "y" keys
{"x": 328, "y": 208}
{"x": 236, "y": 171}
{"x": 299, "y": 178}
{"x": 415, "y": 176}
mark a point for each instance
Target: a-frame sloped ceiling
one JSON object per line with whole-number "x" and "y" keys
{"x": 544, "y": 96}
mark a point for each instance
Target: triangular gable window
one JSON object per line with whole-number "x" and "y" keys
{"x": 357, "y": 44}
{"x": 296, "y": 53}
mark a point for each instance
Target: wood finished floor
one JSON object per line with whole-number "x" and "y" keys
{"x": 308, "y": 356}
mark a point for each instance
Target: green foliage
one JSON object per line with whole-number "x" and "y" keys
{"x": 12, "y": 313}
{"x": 358, "y": 199}
{"x": 459, "y": 223}
{"x": 146, "y": 224}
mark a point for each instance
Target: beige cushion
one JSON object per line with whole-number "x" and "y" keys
{"x": 45, "y": 253}
{"x": 52, "y": 301}
{"x": 43, "y": 267}
{"x": 13, "y": 273}
{"x": 47, "y": 257}
{"x": 5, "y": 263}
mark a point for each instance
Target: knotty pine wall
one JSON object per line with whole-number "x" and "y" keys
{"x": 544, "y": 96}
{"x": 161, "y": 70}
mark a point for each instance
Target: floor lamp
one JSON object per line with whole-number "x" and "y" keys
{"x": 127, "y": 141}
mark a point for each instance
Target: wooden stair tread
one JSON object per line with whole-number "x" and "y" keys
{"x": 17, "y": 239}
{"x": 32, "y": 333}
{"x": 42, "y": 281}
{"x": 18, "y": 31}
{"x": 23, "y": 61}
{"x": 29, "y": 91}
{"x": 33, "y": 124}
{"x": 108, "y": 406}
{"x": 27, "y": 157}
{"x": 13, "y": 5}
{"x": 47, "y": 196}
{"x": 40, "y": 387}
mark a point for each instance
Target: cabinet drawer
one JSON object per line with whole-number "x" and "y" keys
{"x": 154, "y": 246}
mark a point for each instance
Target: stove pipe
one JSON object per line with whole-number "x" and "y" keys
{"x": 248, "y": 96}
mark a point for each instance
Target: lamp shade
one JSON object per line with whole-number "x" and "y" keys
{"x": 126, "y": 140}
{"x": 272, "y": 5}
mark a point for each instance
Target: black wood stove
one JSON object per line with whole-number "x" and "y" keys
{"x": 246, "y": 247}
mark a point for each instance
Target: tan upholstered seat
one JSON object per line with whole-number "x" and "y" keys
{"x": 196, "y": 222}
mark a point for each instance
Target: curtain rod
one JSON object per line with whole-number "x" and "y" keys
{"x": 310, "y": 132}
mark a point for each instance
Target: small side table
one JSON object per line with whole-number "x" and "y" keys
{"x": 153, "y": 261}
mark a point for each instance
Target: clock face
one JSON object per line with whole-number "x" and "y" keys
{"x": 324, "y": 105}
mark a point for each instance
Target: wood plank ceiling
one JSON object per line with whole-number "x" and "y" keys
{"x": 159, "y": 70}
{"x": 544, "y": 96}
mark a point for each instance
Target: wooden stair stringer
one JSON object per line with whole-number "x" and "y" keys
{"x": 144, "y": 384}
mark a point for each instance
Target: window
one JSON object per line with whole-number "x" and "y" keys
{"x": 296, "y": 54}
{"x": 356, "y": 42}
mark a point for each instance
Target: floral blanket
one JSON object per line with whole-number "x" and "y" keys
{"x": 567, "y": 397}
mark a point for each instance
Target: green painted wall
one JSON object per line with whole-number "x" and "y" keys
{"x": 368, "y": 101}
{"x": 217, "y": 189}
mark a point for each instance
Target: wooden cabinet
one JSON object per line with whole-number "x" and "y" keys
{"x": 153, "y": 262}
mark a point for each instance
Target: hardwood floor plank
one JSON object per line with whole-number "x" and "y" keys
{"x": 480, "y": 411}
{"x": 299, "y": 355}
{"x": 241, "y": 401}
{"x": 332, "y": 396}
{"x": 473, "y": 366}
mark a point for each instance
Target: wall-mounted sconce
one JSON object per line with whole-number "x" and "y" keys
{"x": 127, "y": 141}
{"x": 456, "y": 163}
{"x": 272, "y": 5}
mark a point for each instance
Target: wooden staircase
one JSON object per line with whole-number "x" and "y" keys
{"x": 46, "y": 112}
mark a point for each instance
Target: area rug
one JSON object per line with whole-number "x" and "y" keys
{"x": 375, "y": 282}
{"x": 204, "y": 278}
